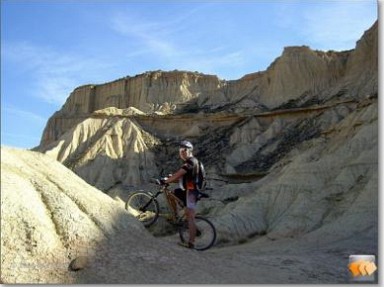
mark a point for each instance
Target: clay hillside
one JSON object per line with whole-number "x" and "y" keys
{"x": 291, "y": 154}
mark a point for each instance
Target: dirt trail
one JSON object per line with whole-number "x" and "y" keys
{"x": 261, "y": 261}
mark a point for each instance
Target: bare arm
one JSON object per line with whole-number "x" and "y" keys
{"x": 176, "y": 175}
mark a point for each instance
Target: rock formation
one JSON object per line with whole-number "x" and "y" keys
{"x": 244, "y": 126}
{"x": 292, "y": 153}
{"x": 107, "y": 149}
{"x": 49, "y": 217}
{"x": 299, "y": 76}
{"x": 57, "y": 229}
{"x": 325, "y": 185}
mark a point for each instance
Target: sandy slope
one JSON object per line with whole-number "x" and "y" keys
{"x": 51, "y": 217}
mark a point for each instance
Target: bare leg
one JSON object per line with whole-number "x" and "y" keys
{"x": 191, "y": 224}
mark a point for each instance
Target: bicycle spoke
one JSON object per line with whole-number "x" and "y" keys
{"x": 143, "y": 207}
{"x": 205, "y": 234}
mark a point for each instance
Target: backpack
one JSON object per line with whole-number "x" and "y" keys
{"x": 200, "y": 177}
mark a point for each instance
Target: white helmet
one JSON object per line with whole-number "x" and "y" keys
{"x": 186, "y": 144}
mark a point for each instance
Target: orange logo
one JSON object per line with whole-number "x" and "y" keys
{"x": 362, "y": 266}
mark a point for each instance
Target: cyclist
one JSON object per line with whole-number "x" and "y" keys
{"x": 187, "y": 192}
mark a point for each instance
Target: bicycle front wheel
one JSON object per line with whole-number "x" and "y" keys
{"x": 205, "y": 233}
{"x": 144, "y": 207}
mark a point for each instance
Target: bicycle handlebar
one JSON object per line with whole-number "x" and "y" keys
{"x": 157, "y": 181}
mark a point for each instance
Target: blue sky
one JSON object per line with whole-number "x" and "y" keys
{"x": 50, "y": 47}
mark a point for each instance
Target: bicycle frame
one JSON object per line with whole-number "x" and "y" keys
{"x": 169, "y": 198}
{"x": 145, "y": 207}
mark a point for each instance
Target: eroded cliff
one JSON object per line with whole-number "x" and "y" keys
{"x": 123, "y": 131}
{"x": 292, "y": 153}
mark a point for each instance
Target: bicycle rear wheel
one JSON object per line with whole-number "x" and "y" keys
{"x": 205, "y": 233}
{"x": 144, "y": 207}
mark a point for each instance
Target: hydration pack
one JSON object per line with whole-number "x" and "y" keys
{"x": 200, "y": 177}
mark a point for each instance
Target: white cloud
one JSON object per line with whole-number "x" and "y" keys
{"x": 22, "y": 114}
{"x": 337, "y": 25}
{"x": 153, "y": 37}
{"x": 20, "y": 127}
{"x": 54, "y": 74}
{"x": 169, "y": 42}
{"x": 328, "y": 24}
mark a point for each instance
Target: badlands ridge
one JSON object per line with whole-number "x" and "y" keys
{"x": 292, "y": 153}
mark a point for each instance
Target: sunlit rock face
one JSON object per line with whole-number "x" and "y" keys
{"x": 149, "y": 92}
{"x": 107, "y": 149}
{"x": 297, "y": 144}
{"x": 57, "y": 229}
{"x": 50, "y": 217}
{"x": 300, "y": 76}
{"x": 123, "y": 132}
{"x": 326, "y": 185}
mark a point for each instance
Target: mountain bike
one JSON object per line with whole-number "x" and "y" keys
{"x": 145, "y": 207}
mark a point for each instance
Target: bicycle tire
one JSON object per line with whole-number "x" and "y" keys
{"x": 206, "y": 233}
{"x": 144, "y": 207}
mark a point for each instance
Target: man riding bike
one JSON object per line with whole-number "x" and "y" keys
{"x": 187, "y": 192}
